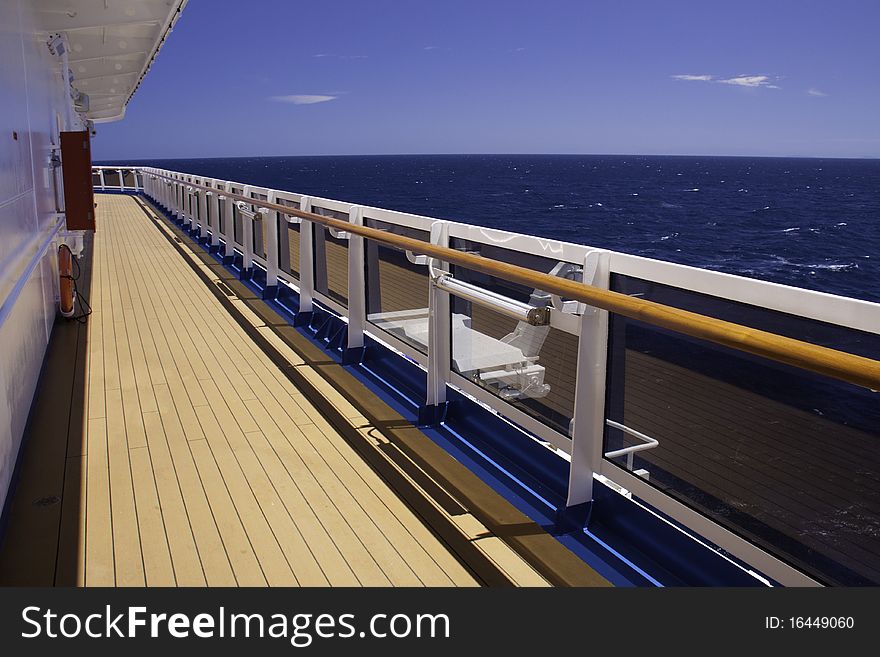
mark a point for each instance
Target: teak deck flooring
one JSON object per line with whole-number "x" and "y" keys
{"x": 201, "y": 463}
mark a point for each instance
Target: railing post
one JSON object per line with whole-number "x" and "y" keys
{"x": 190, "y": 215}
{"x": 306, "y": 266}
{"x": 214, "y": 201}
{"x": 439, "y": 338}
{"x": 121, "y": 181}
{"x": 101, "y": 174}
{"x": 177, "y": 194}
{"x": 354, "y": 350}
{"x": 203, "y": 215}
{"x": 228, "y": 228}
{"x": 270, "y": 221}
{"x": 247, "y": 238}
{"x": 588, "y": 426}
{"x": 181, "y": 201}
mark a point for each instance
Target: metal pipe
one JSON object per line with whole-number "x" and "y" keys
{"x": 500, "y": 304}
{"x": 650, "y": 443}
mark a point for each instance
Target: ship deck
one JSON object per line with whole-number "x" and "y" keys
{"x": 185, "y": 455}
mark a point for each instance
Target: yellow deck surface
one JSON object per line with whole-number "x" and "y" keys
{"x": 204, "y": 465}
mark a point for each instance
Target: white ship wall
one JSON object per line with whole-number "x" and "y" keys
{"x": 32, "y": 108}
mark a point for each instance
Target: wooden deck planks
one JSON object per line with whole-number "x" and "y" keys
{"x": 204, "y": 465}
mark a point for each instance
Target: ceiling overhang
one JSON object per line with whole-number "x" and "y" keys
{"x": 111, "y": 45}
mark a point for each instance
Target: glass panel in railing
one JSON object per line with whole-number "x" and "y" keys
{"x": 331, "y": 259}
{"x": 531, "y": 367}
{"x": 397, "y": 287}
{"x": 787, "y": 459}
{"x": 111, "y": 178}
{"x": 216, "y": 222}
{"x": 96, "y": 179}
{"x": 221, "y": 214}
{"x": 259, "y": 227}
{"x": 237, "y": 229}
{"x": 288, "y": 241}
{"x": 292, "y": 249}
{"x": 128, "y": 178}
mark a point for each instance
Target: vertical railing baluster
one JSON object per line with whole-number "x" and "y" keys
{"x": 214, "y": 201}
{"x": 439, "y": 336}
{"x": 101, "y": 174}
{"x": 306, "y": 261}
{"x": 356, "y": 290}
{"x": 190, "y": 207}
{"x": 203, "y": 215}
{"x": 121, "y": 180}
{"x": 228, "y": 228}
{"x": 588, "y": 428}
{"x": 177, "y": 198}
{"x": 247, "y": 237}
{"x": 270, "y": 222}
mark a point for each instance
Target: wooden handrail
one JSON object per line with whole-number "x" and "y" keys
{"x": 840, "y": 365}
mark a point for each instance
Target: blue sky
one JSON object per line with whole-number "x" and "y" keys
{"x": 273, "y": 77}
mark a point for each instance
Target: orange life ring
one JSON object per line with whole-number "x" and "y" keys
{"x": 66, "y": 283}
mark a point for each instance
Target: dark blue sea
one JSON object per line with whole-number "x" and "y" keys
{"x": 812, "y": 223}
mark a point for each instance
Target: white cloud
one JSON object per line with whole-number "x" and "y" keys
{"x": 695, "y": 78}
{"x": 431, "y": 48}
{"x": 323, "y": 55}
{"x": 302, "y": 99}
{"x": 737, "y": 81}
{"x": 815, "y": 92}
{"x": 750, "y": 81}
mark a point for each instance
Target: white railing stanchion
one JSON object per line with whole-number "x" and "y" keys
{"x": 101, "y": 174}
{"x": 214, "y": 211}
{"x": 588, "y": 426}
{"x": 180, "y": 200}
{"x": 357, "y": 316}
{"x": 228, "y": 228}
{"x": 247, "y": 235}
{"x": 270, "y": 221}
{"x": 306, "y": 259}
{"x": 176, "y": 198}
{"x": 190, "y": 216}
{"x": 203, "y": 215}
{"x": 439, "y": 334}
{"x": 121, "y": 180}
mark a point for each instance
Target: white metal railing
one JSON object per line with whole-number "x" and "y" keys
{"x": 241, "y": 234}
{"x": 123, "y": 179}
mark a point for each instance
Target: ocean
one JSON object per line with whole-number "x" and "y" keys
{"x": 811, "y": 223}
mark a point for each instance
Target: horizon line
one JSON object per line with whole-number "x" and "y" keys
{"x": 496, "y": 154}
